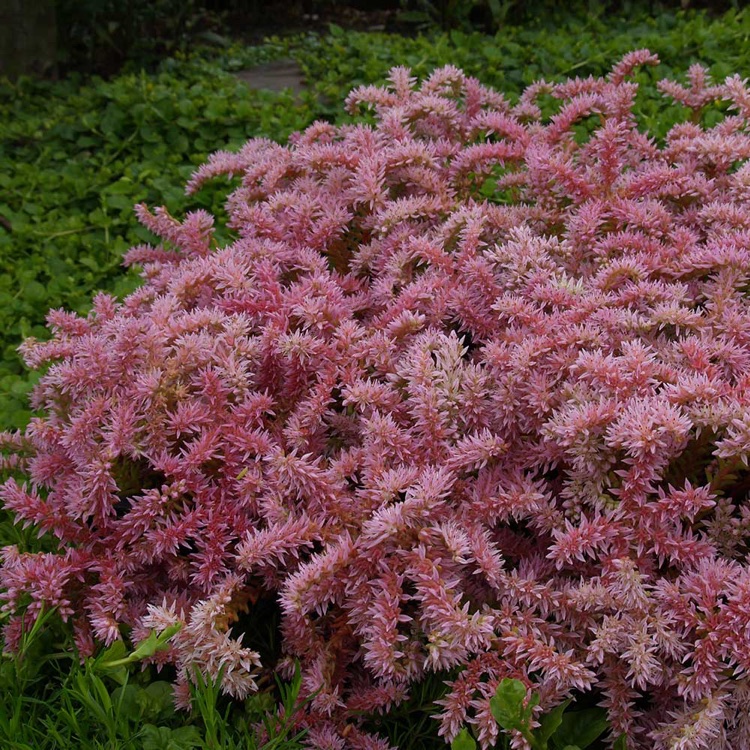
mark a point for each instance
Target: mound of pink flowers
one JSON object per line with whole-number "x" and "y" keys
{"x": 469, "y": 390}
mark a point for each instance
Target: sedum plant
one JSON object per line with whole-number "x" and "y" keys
{"x": 466, "y": 393}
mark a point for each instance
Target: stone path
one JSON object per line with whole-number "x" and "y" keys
{"x": 274, "y": 76}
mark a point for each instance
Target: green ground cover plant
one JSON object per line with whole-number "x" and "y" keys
{"x": 51, "y": 700}
{"x": 79, "y": 154}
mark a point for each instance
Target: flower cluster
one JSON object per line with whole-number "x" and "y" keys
{"x": 469, "y": 390}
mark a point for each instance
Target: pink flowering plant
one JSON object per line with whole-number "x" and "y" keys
{"x": 467, "y": 393}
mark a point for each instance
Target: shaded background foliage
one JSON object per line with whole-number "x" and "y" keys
{"x": 101, "y": 36}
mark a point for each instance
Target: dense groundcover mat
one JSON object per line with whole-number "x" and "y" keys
{"x": 467, "y": 394}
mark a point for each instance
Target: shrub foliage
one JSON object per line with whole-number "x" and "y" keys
{"x": 467, "y": 392}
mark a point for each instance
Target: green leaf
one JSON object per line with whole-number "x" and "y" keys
{"x": 163, "y": 738}
{"x": 507, "y": 704}
{"x": 463, "y": 741}
{"x": 157, "y": 700}
{"x": 119, "y": 201}
{"x": 126, "y": 698}
{"x": 155, "y": 642}
{"x": 35, "y": 292}
{"x": 186, "y": 737}
{"x": 115, "y": 652}
{"x": 155, "y": 738}
{"x": 550, "y": 722}
{"x": 581, "y": 728}
{"x": 621, "y": 743}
